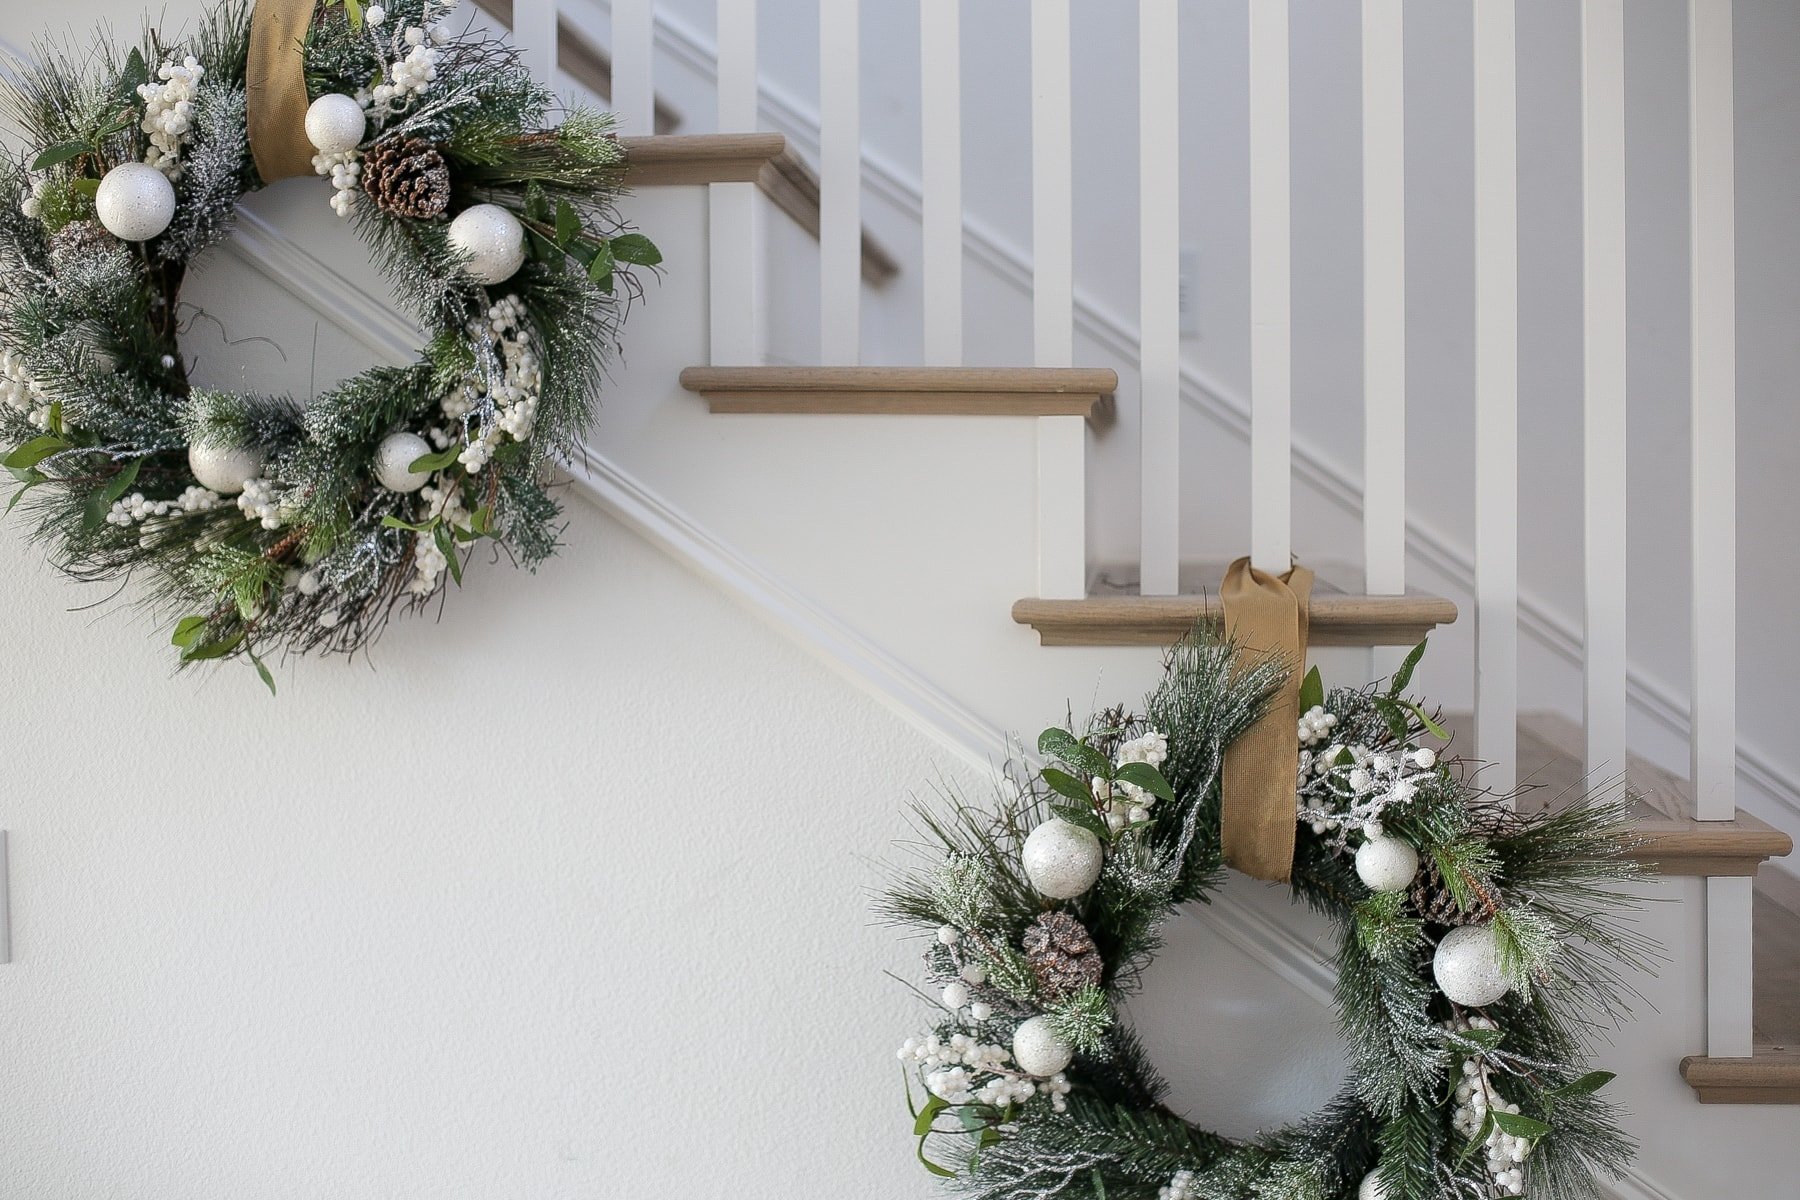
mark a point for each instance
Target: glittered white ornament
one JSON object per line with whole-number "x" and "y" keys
{"x": 494, "y": 241}
{"x": 335, "y": 124}
{"x": 394, "y": 459}
{"x": 1062, "y": 859}
{"x": 1387, "y": 864}
{"x": 1038, "y": 1050}
{"x": 1370, "y": 1188}
{"x": 135, "y": 202}
{"x": 1467, "y": 966}
{"x": 225, "y": 469}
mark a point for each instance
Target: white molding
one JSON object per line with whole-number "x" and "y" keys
{"x": 1427, "y": 544}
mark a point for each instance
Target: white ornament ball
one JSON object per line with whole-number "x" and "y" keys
{"x": 1062, "y": 859}
{"x": 335, "y": 124}
{"x": 394, "y": 459}
{"x": 225, "y": 469}
{"x": 1387, "y": 864}
{"x": 1038, "y": 1050}
{"x": 135, "y": 202}
{"x": 1467, "y": 966}
{"x": 1370, "y": 1188}
{"x": 494, "y": 241}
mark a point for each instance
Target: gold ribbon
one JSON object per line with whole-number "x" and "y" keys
{"x": 275, "y": 89}
{"x": 1266, "y": 616}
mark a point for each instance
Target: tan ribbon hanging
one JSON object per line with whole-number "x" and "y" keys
{"x": 275, "y": 89}
{"x": 1266, "y": 615}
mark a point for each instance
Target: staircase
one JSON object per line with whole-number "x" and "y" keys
{"x": 990, "y": 604}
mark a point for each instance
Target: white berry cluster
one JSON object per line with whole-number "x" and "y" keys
{"x": 345, "y": 169}
{"x": 1315, "y": 726}
{"x": 32, "y": 204}
{"x": 499, "y": 399}
{"x": 169, "y": 112}
{"x": 1124, "y": 803}
{"x": 261, "y": 501}
{"x": 134, "y": 508}
{"x": 1183, "y": 1185}
{"x": 20, "y": 393}
{"x": 415, "y": 67}
{"x": 1346, "y": 788}
{"x": 443, "y": 499}
{"x": 1475, "y": 1096}
{"x": 962, "y": 1069}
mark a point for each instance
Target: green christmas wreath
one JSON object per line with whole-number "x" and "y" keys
{"x": 261, "y": 523}
{"x": 1477, "y": 947}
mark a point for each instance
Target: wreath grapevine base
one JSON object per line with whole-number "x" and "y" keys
{"x": 1478, "y": 946}
{"x": 261, "y": 522}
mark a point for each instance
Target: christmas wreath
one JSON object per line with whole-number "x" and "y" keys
{"x": 1477, "y": 946}
{"x": 260, "y": 522}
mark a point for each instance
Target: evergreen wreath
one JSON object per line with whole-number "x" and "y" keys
{"x": 1478, "y": 946}
{"x": 263, "y": 523}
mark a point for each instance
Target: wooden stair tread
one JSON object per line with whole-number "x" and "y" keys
{"x": 1113, "y": 613}
{"x": 1771, "y": 1075}
{"x": 1550, "y": 754}
{"x": 693, "y": 158}
{"x": 919, "y": 391}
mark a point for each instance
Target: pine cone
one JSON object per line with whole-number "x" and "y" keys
{"x": 1062, "y": 955}
{"x": 1435, "y": 902}
{"x": 407, "y": 178}
{"x": 79, "y": 239}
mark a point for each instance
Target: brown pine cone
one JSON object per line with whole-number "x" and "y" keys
{"x": 1434, "y": 901}
{"x": 1062, "y": 955}
{"x": 408, "y": 178}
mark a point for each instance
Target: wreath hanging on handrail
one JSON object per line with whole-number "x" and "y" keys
{"x": 1477, "y": 946}
{"x": 264, "y": 524}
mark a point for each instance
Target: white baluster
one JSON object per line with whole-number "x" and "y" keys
{"x": 1271, "y": 342}
{"x": 534, "y": 33}
{"x": 1496, "y": 393}
{"x": 840, "y": 183}
{"x": 1159, "y": 305}
{"x": 735, "y": 246}
{"x": 1603, "y": 436}
{"x": 1061, "y": 441}
{"x": 1714, "y": 410}
{"x": 1384, "y": 297}
{"x": 940, "y": 175}
{"x": 633, "y": 44}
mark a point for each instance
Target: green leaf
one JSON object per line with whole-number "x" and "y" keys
{"x": 1479, "y": 1140}
{"x": 636, "y": 249}
{"x": 425, "y": 464}
{"x": 135, "y": 75}
{"x": 568, "y": 224}
{"x": 1395, "y": 717}
{"x": 1060, "y": 744}
{"x": 35, "y": 451}
{"x": 56, "y": 421}
{"x": 58, "y": 154}
{"x": 1087, "y": 818}
{"x": 483, "y": 521}
{"x": 928, "y": 1114}
{"x": 16, "y": 497}
{"x": 1588, "y": 1084}
{"x": 94, "y": 510}
{"x": 1431, "y": 726}
{"x": 86, "y": 187}
{"x": 262, "y": 669}
{"x": 447, "y": 544}
{"x": 392, "y": 522}
{"x": 121, "y": 483}
{"x": 1312, "y": 691}
{"x": 600, "y": 270}
{"x": 940, "y": 1172}
{"x": 1404, "y": 675}
{"x": 1143, "y": 775}
{"x": 1065, "y": 784}
{"x": 537, "y": 204}
{"x": 1481, "y": 1039}
{"x": 1519, "y": 1125}
{"x": 355, "y": 9}
{"x": 209, "y": 650}
{"x": 186, "y": 630}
